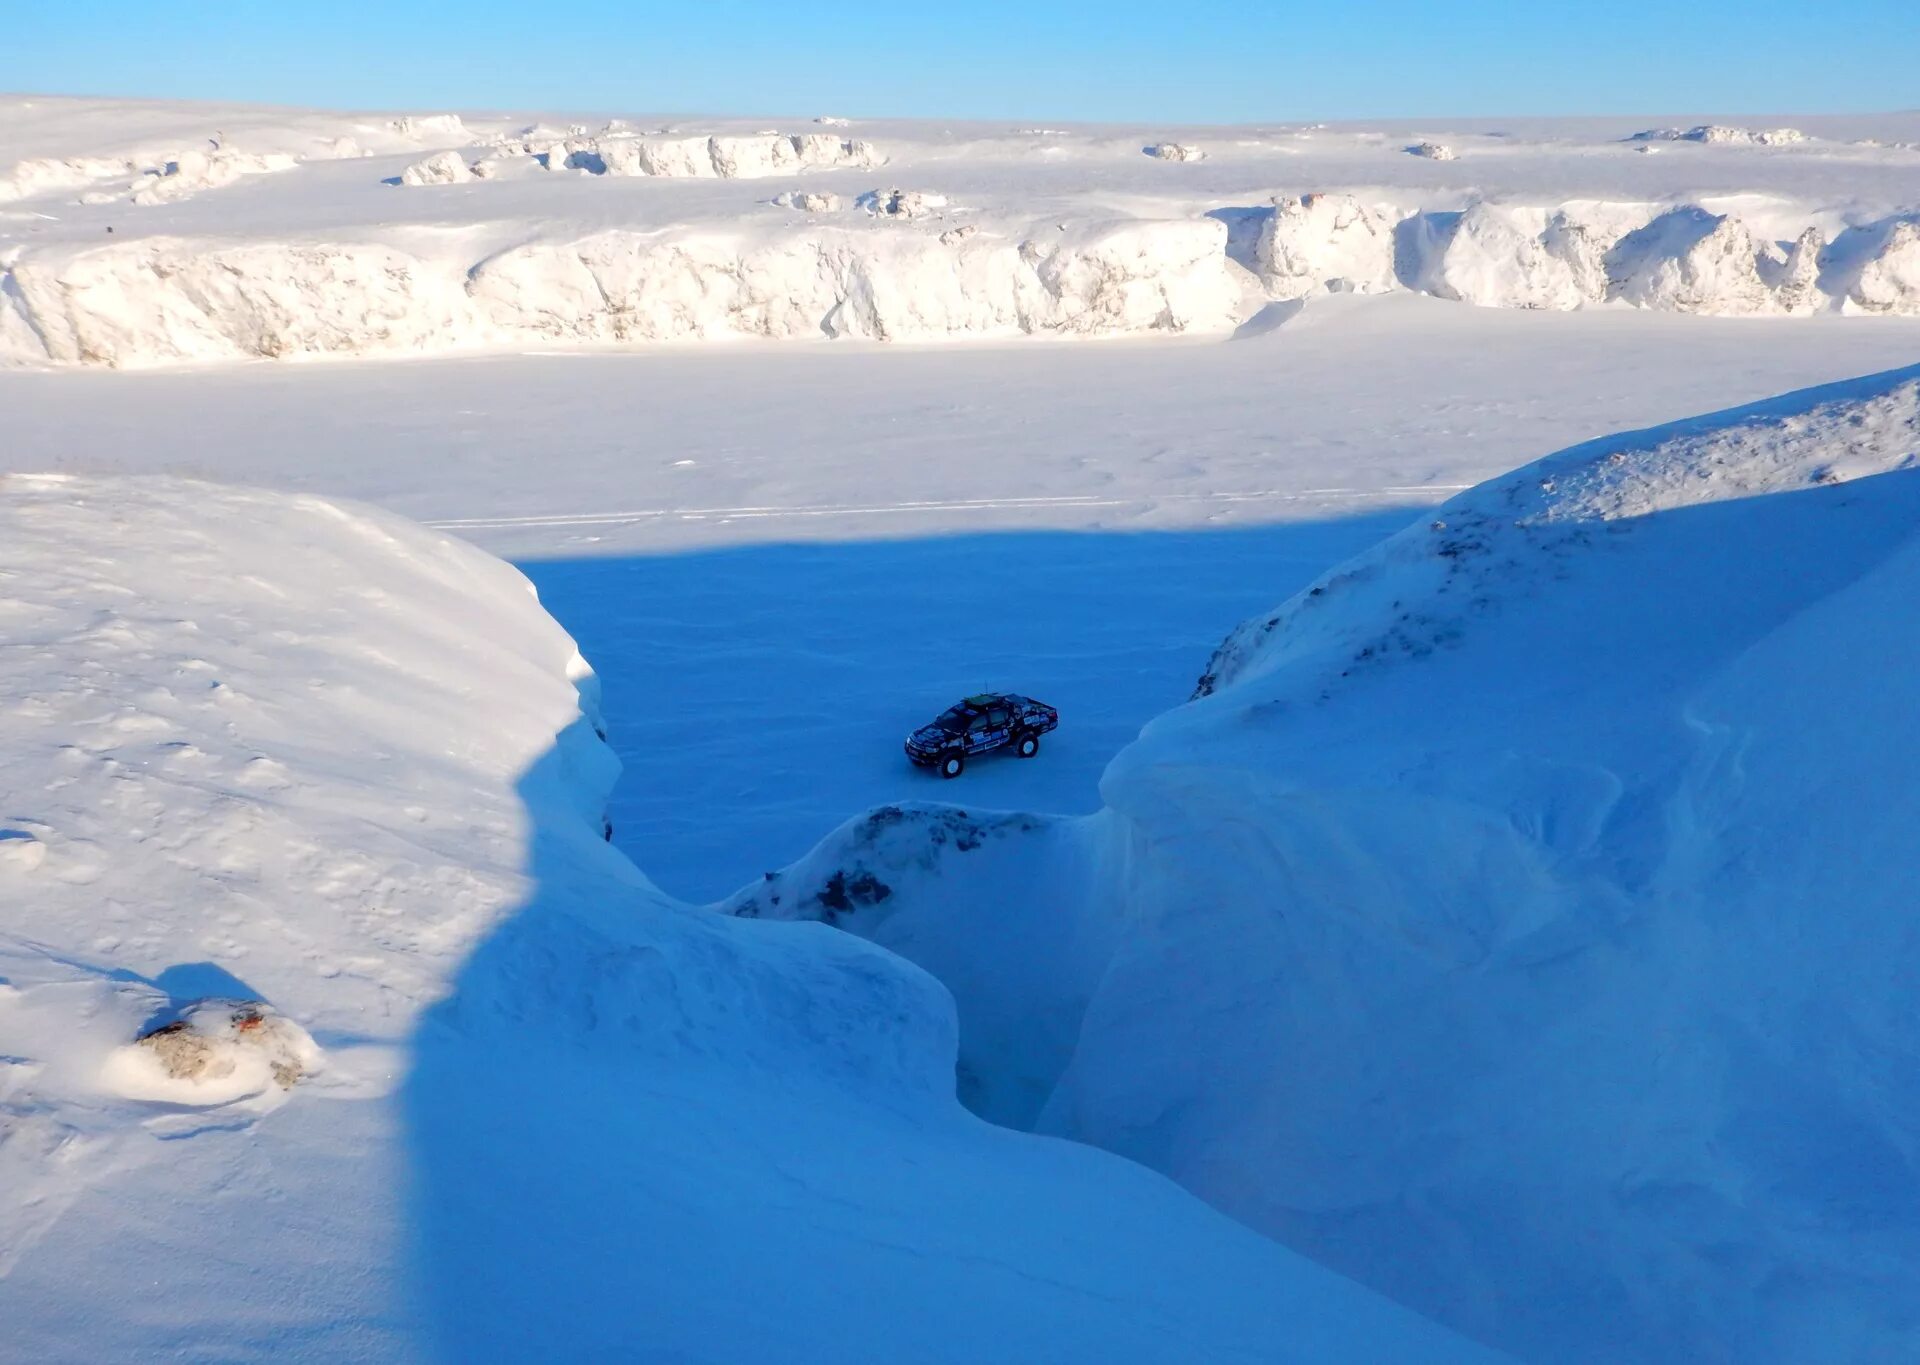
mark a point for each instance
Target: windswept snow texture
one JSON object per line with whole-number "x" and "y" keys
{"x": 1520, "y": 918}
{"x": 452, "y": 1080}
{"x": 139, "y": 234}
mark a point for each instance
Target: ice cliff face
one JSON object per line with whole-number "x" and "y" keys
{"x": 907, "y": 273}
{"x": 1491, "y": 926}
{"x": 1887, "y": 278}
{"x": 1325, "y": 241}
{"x": 157, "y": 300}
{"x": 720, "y": 157}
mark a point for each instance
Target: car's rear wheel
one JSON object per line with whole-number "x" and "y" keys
{"x": 1027, "y": 746}
{"x": 952, "y": 765}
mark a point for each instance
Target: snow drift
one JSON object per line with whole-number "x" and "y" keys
{"x": 1519, "y": 918}
{"x": 330, "y": 1014}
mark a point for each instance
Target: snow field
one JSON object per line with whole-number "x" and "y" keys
{"x": 630, "y": 237}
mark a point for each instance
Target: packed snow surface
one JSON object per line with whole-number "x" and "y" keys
{"x": 335, "y": 1029}
{"x": 1519, "y": 918}
{"x": 142, "y": 234}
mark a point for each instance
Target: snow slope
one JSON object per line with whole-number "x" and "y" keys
{"x": 276, "y": 748}
{"x": 1519, "y": 917}
{"x": 139, "y": 233}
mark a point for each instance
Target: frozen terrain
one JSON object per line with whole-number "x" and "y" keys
{"x": 142, "y": 234}
{"x": 1519, "y": 916}
{"x": 1536, "y": 986}
{"x": 537, "y": 1106}
{"x": 780, "y": 560}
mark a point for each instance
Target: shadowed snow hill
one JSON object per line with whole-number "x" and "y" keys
{"x": 1520, "y": 919}
{"x": 309, "y": 799}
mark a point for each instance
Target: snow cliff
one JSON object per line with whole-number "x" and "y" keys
{"x": 159, "y": 300}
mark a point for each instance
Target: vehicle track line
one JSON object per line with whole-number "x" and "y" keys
{"x": 908, "y": 508}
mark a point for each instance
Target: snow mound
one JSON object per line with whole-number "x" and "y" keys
{"x": 442, "y": 168}
{"x": 1498, "y": 256}
{"x": 1333, "y": 242}
{"x": 808, "y": 201}
{"x": 903, "y": 204}
{"x": 281, "y": 749}
{"x": 1432, "y": 151}
{"x": 35, "y": 176}
{"x": 429, "y": 128}
{"x": 192, "y": 172}
{"x": 1174, "y": 151}
{"x": 1690, "y": 261}
{"x": 1476, "y": 929}
{"x": 216, "y": 1052}
{"x": 1886, "y": 278}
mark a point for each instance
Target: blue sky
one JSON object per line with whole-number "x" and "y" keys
{"x": 1194, "y": 61}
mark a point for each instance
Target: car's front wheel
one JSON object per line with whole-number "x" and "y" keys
{"x": 1027, "y": 746}
{"x": 952, "y": 765}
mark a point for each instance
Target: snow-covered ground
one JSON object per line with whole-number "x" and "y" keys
{"x": 1519, "y": 919}
{"x": 269, "y": 748}
{"x": 781, "y": 559}
{"x": 140, "y": 234}
{"x": 384, "y": 819}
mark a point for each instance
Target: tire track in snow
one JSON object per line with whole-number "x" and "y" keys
{"x": 1089, "y": 500}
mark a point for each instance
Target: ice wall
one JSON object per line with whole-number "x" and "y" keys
{"x": 159, "y": 301}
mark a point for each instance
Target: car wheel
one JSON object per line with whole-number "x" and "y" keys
{"x": 952, "y": 765}
{"x": 1027, "y": 746}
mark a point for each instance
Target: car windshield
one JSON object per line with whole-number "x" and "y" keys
{"x": 955, "y": 718}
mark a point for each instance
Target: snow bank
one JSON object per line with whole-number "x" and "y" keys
{"x": 442, "y": 168}
{"x": 1477, "y": 929}
{"x": 1325, "y": 241}
{"x": 160, "y": 300}
{"x": 1432, "y": 151}
{"x": 747, "y": 157}
{"x": 1720, "y": 134}
{"x": 431, "y": 128}
{"x": 1174, "y": 151}
{"x": 952, "y": 890}
{"x": 1885, "y": 276}
{"x": 42, "y": 175}
{"x": 1508, "y": 257}
{"x": 1690, "y": 261}
{"x": 269, "y": 748}
{"x": 808, "y": 201}
{"x": 192, "y": 172}
{"x": 902, "y": 204}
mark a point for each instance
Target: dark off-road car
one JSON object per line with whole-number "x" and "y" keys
{"x": 980, "y": 725}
